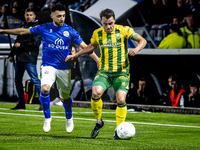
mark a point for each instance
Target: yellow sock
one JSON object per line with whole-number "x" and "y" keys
{"x": 97, "y": 105}
{"x": 121, "y": 112}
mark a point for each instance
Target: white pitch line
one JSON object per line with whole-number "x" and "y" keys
{"x": 63, "y": 111}
{"x": 170, "y": 125}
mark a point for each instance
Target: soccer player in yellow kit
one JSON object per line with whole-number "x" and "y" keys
{"x": 113, "y": 64}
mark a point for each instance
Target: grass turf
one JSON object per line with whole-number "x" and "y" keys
{"x": 21, "y": 130}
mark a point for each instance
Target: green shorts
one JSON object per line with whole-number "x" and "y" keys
{"x": 120, "y": 81}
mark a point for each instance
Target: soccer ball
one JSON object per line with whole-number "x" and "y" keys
{"x": 125, "y": 131}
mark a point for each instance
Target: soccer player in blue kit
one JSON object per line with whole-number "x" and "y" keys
{"x": 56, "y": 39}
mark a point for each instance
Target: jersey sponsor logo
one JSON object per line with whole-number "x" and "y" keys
{"x": 112, "y": 45}
{"x": 59, "y": 44}
{"x": 66, "y": 33}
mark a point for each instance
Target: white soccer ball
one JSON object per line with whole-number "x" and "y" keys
{"x": 125, "y": 130}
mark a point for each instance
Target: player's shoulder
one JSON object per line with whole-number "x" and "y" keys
{"x": 98, "y": 30}
{"x": 45, "y": 25}
{"x": 121, "y": 27}
{"x": 68, "y": 28}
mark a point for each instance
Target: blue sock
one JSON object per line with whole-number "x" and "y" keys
{"x": 67, "y": 104}
{"x": 45, "y": 100}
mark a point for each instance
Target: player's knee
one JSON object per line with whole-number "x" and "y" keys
{"x": 45, "y": 88}
{"x": 97, "y": 92}
{"x": 121, "y": 100}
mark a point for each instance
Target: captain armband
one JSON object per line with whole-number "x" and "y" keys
{"x": 133, "y": 36}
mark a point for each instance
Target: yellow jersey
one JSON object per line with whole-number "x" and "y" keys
{"x": 113, "y": 48}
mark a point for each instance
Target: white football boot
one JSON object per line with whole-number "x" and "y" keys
{"x": 69, "y": 125}
{"x": 47, "y": 125}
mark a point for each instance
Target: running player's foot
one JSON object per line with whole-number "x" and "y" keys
{"x": 47, "y": 125}
{"x": 69, "y": 125}
{"x": 96, "y": 129}
{"x": 116, "y": 137}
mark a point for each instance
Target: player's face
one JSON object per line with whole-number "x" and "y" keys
{"x": 108, "y": 24}
{"x": 29, "y": 16}
{"x": 58, "y": 18}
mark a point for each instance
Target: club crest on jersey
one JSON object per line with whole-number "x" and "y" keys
{"x": 118, "y": 36}
{"x": 66, "y": 33}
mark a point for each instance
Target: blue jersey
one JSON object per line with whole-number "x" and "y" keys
{"x": 56, "y": 43}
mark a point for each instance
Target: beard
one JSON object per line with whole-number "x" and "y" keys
{"x": 59, "y": 24}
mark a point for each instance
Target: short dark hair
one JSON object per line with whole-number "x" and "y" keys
{"x": 194, "y": 83}
{"x": 107, "y": 13}
{"x": 58, "y": 7}
{"x": 30, "y": 10}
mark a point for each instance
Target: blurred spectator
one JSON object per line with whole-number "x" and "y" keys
{"x": 191, "y": 33}
{"x": 76, "y": 80}
{"x": 32, "y": 5}
{"x": 194, "y": 96}
{"x": 153, "y": 16}
{"x": 165, "y": 98}
{"x": 175, "y": 21}
{"x": 178, "y": 95}
{"x": 0, "y": 11}
{"x": 18, "y": 5}
{"x": 174, "y": 40}
{"x": 46, "y": 5}
{"x": 192, "y": 7}
{"x": 86, "y": 4}
{"x": 4, "y": 11}
{"x": 26, "y": 49}
{"x": 180, "y": 10}
{"x": 82, "y": 6}
{"x": 51, "y": 4}
{"x": 165, "y": 16}
{"x": 16, "y": 14}
{"x": 15, "y": 4}
{"x": 144, "y": 95}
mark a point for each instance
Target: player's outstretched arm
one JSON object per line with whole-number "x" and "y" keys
{"x": 141, "y": 45}
{"x": 17, "y": 31}
{"x": 86, "y": 49}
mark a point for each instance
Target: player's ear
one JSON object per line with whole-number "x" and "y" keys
{"x": 51, "y": 15}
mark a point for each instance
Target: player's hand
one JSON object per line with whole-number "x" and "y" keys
{"x": 132, "y": 52}
{"x": 17, "y": 45}
{"x": 1, "y": 31}
{"x": 11, "y": 59}
{"x": 70, "y": 57}
{"x": 190, "y": 95}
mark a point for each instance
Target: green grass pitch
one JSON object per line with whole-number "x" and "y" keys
{"x": 23, "y": 130}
